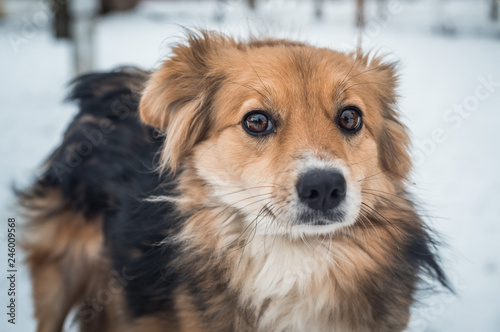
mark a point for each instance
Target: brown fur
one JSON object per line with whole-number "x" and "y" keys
{"x": 294, "y": 79}
{"x": 64, "y": 256}
{"x": 357, "y": 278}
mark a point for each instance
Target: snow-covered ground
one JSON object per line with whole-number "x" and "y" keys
{"x": 450, "y": 88}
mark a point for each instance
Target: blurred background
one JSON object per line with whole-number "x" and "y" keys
{"x": 449, "y": 51}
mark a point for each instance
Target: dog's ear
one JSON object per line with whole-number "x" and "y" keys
{"x": 393, "y": 139}
{"x": 177, "y": 98}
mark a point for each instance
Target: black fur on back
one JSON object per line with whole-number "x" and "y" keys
{"x": 105, "y": 166}
{"x": 105, "y": 150}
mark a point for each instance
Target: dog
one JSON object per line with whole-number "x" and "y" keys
{"x": 255, "y": 185}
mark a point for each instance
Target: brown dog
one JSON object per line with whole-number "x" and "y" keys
{"x": 278, "y": 202}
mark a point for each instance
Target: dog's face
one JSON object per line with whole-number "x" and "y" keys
{"x": 299, "y": 140}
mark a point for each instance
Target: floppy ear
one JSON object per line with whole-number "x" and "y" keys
{"x": 177, "y": 98}
{"x": 393, "y": 139}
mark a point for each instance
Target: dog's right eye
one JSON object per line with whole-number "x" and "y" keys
{"x": 349, "y": 119}
{"x": 257, "y": 123}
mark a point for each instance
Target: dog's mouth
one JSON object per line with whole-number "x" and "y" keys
{"x": 295, "y": 219}
{"x": 318, "y": 218}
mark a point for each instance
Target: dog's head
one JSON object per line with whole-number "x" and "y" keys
{"x": 295, "y": 138}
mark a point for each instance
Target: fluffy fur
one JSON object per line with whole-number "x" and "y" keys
{"x": 193, "y": 225}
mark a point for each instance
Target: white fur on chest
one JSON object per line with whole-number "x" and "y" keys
{"x": 291, "y": 281}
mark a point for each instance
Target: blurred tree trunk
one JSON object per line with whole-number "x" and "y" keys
{"x": 318, "y": 8}
{"x": 61, "y": 23}
{"x": 109, "y": 6}
{"x": 360, "y": 14}
{"x": 2, "y": 11}
{"x": 494, "y": 10}
{"x": 62, "y": 16}
{"x": 252, "y": 4}
{"x": 84, "y": 14}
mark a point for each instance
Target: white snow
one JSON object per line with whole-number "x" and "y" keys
{"x": 457, "y": 176}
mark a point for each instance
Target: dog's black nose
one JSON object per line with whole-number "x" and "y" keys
{"x": 321, "y": 189}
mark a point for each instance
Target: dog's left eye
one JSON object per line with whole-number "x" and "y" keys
{"x": 257, "y": 123}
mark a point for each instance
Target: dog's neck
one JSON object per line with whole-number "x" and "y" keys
{"x": 294, "y": 285}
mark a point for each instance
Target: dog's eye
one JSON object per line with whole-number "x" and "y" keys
{"x": 350, "y": 119}
{"x": 257, "y": 123}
